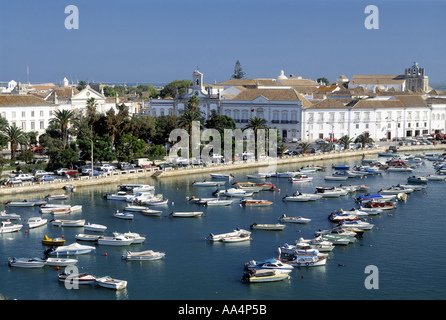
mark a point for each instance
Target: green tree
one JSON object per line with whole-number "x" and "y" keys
{"x": 323, "y": 80}
{"x": 163, "y": 127}
{"x": 238, "y": 73}
{"x": 61, "y": 120}
{"x": 363, "y": 139}
{"x": 92, "y": 114}
{"x": 26, "y": 155}
{"x": 129, "y": 148}
{"x": 109, "y": 91}
{"x": 304, "y": 146}
{"x": 255, "y": 124}
{"x": 156, "y": 150}
{"x": 345, "y": 140}
{"x": 173, "y": 87}
{"x": 281, "y": 148}
{"x": 15, "y": 136}
{"x": 219, "y": 122}
{"x": 81, "y": 85}
{"x": 102, "y": 149}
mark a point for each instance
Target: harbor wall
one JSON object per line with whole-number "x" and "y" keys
{"x": 120, "y": 177}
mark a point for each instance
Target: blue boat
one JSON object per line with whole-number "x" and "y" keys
{"x": 340, "y": 167}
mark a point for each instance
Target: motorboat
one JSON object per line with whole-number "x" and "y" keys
{"x": 69, "y": 188}
{"x": 150, "y": 212}
{"x": 71, "y": 249}
{"x": 331, "y": 192}
{"x": 200, "y": 200}
{"x": 46, "y": 241}
{"x": 87, "y": 237}
{"x": 417, "y": 179}
{"x": 301, "y": 178}
{"x": 336, "y": 178}
{"x": 337, "y": 216}
{"x": 68, "y": 223}
{"x": 339, "y": 232}
{"x": 216, "y": 202}
{"x": 257, "y": 176}
{"x": 375, "y": 198}
{"x": 191, "y": 214}
{"x": 151, "y": 202}
{"x": 287, "y": 174}
{"x": 349, "y": 174}
{"x": 123, "y": 215}
{"x": 222, "y": 175}
{"x": 59, "y": 211}
{"x": 302, "y": 255}
{"x": 94, "y": 227}
{"x": 35, "y": 222}
{"x": 78, "y": 278}
{"x": 60, "y": 262}
{"x": 395, "y": 190}
{"x": 263, "y": 276}
{"x": 208, "y": 183}
{"x": 135, "y": 237}
{"x": 8, "y": 226}
{"x": 377, "y": 205}
{"x": 284, "y": 218}
{"x": 317, "y": 243}
{"x": 264, "y": 186}
{"x": 24, "y": 203}
{"x": 249, "y": 188}
{"x": 302, "y": 197}
{"x": 399, "y": 169}
{"x": 48, "y": 208}
{"x": 110, "y": 283}
{"x": 436, "y": 177}
{"x": 233, "y": 192}
{"x": 414, "y": 187}
{"x": 120, "y": 195}
{"x": 75, "y": 208}
{"x": 9, "y": 216}
{"x": 27, "y": 262}
{"x": 340, "y": 167}
{"x": 239, "y": 238}
{"x": 143, "y": 255}
{"x": 358, "y": 224}
{"x": 267, "y": 226}
{"x": 220, "y": 237}
{"x": 57, "y": 197}
{"x": 115, "y": 241}
{"x": 255, "y": 203}
{"x": 136, "y": 187}
{"x": 269, "y": 264}
{"x": 142, "y": 196}
{"x": 134, "y": 208}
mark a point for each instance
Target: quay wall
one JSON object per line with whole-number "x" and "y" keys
{"x": 119, "y": 177}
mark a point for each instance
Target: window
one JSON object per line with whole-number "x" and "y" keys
{"x": 42, "y": 125}
{"x": 23, "y": 114}
{"x": 41, "y": 113}
{"x": 13, "y": 114}
{"x": 33, "y": 125}
{"x": 32, "y": 113}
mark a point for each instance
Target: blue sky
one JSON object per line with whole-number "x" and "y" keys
{"x": 161, "y": 41}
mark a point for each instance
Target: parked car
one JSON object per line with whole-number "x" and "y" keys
{"x": 60, "y": 171}
{"x": 37, "y": 172}
{"x": 46, "y": 178}
{"x": 9, "y": 181}
{"x": 165, "y": 165}
{"x": 147, "y": 166}
{"x": 24, "y": 177}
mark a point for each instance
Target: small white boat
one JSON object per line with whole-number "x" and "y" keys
{"x": 186, "y": 214}
{"x": 216, "y": 202}
{"x": 141, "y": 197}
{"x": 208, "y": 183}
{"x": 110, "y": 283}
{"x": 60, "y": 211}
{"x": 311, "y": 259}
{"x": 263, "y": 276}
{"x": 94, "y": 227}
{"x": 222, "y": 175}
{"x": 135, "y": 208}
{"x": 284, "y": 218}
{"x": 57, "y": 197}
{"x": 298, "y": 198}
{"x": 87, "y": 237}
{"x": 417, "y": 179}
{"x": 79, "y": 278}
{"x": 257, "y": 176}
{"x": 27, "y": 262}
{"x": 269, "y": 264}
{"x": 233, "y": 192}
{"x": 35, "y": 222}
{"x": 135, "y": 237}
{"x": 75, "y": 208}
{"x": 395, "y": 190}
{"x": 9, "y": 216}
{"x": 239, "y": 238}
{"x": 436, "y": 177}
{"x": 60, "y": 262}
{"x": 336, "y": 178}
{"x": 136, "y": 187}
{"x": 68, "y": 223}
{"x": 48, "y": 208}
{"x": 115, "y": 241}
{"x": 301, "y": 178}
{"x": 399, "y": 169}
{"x": 123, "y": 215}
{"x": 220, "y": 237}
{"x": 8, "y": 226}
{"x": 120, "y": 195}
{"x": 358, "y": 224}
{"x": 267, "y": 226}
{"x": 24, "y": 203}
{"x": 74, "y": 248}
{"x": 143, "y": 255}
{"x": 287, "y": 174}
{"x": 150, "y": 212}
{"x": 151, "y": 202}
{"x": 317, "y": 243}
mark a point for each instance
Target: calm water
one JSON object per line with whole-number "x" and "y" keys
{"x": 406, "y": 246}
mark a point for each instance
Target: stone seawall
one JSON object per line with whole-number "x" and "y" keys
{"x": 121, "y": 176}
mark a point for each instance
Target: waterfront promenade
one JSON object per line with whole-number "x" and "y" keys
{"x": 119, "y": 177}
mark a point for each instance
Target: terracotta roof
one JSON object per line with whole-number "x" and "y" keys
{"x": 330, "y": 104}
{"x": 298, "y": 82}
{"x": 412, "y": 101}
{"x": 375, "y": 104}
{"x": 15, "y": 100}
{"x": 377, "y": 79}
{"x": 270, "y": 94}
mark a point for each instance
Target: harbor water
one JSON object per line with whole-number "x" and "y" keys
{"x": 405, "y": 245}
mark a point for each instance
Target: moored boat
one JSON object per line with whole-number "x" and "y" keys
{"x": 123, "y": 215}
{"x": 8, "y": 226}
{"x": 94, "y": 227}
{"x": 9, "y": 216}
{"x": 208, "y": 183}
{"x": 60, "y": 262}
{"x": 143, "y": 255}
{"x": 35, "y": 222}
{"x": 150, "y": 212}
{"x": 78, "y": 278}
{"x": 57, "y": 197}
{"x": 191, "y": 214}
{"x": 110, "y": 283}
{"x": 267, "y": 226}
{"x": 27, "y": 262}
{"x": 71, "y": 249}
{"x": 68, "y": 223}
{"x": 237, "y": 238}
{"x": 263, "y": 276}
{"x": 46, "y": 241}
{"x": 222, "y": 175}
{"x": 115, "y": 241}
{"x": 269, "y": 264}
{"x": 220, "y": 237}
{"x": 255, "y": 203}
{"x": 284, "y": 218}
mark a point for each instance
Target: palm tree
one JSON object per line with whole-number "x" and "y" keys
{"x": 92, "y": 115}
{"x": 363, "y": 139}
{"x": 15, "y": 136}
{"x": 61, "y": 119}
{"x": 304, "y": 146}
{"x": 345, "y": 140}
{"x": 255, "y": 124}
{"x": 186, "y": 121}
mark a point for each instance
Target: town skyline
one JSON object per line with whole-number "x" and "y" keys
{"x": 159, "y": 42}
